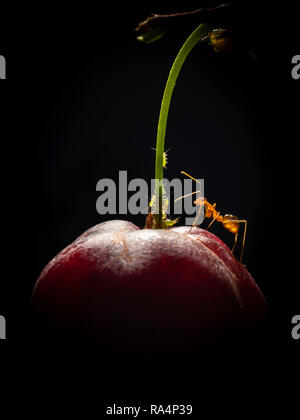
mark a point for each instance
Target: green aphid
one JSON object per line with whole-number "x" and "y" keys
{"x": 165, "y": 160}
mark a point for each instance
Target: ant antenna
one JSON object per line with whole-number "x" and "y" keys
{"x": 184, "y": 173}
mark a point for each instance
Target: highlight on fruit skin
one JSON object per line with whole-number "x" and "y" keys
{"x": 148, "y": 292}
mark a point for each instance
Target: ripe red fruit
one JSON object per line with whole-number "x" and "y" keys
{"x": 147, "y": 291}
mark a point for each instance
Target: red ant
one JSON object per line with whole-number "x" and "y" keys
{"x": 230, "y": 222}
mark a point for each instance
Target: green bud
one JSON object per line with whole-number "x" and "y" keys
{"x": 152, "y": 34}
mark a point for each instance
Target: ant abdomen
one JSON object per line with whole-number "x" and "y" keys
{"x": 231, "y": 223}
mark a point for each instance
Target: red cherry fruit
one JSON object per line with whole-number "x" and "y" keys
{"x": 146, "y": 291}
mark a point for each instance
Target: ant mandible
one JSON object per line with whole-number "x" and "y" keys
{"x": 230, "y": 222}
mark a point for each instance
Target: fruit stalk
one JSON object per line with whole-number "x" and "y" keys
{"x": 199, "y": 33}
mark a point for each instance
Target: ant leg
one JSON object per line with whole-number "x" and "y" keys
{"x": 218, "y": 214}
{"x": 198, "y": 215}
{"x": 235, "y": 240}
{"x": 199, "y": 191}
{"x": 244, "y": 237}
{"x": 199, "y": 212}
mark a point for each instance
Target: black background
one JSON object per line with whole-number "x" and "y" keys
{"x": 81, "y": 102}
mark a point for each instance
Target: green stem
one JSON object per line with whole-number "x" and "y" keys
{"x": 199, "y": 33}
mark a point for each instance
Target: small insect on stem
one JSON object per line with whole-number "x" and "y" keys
{"x": 165, "y": 157}
{"x": 229, "y": 221}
